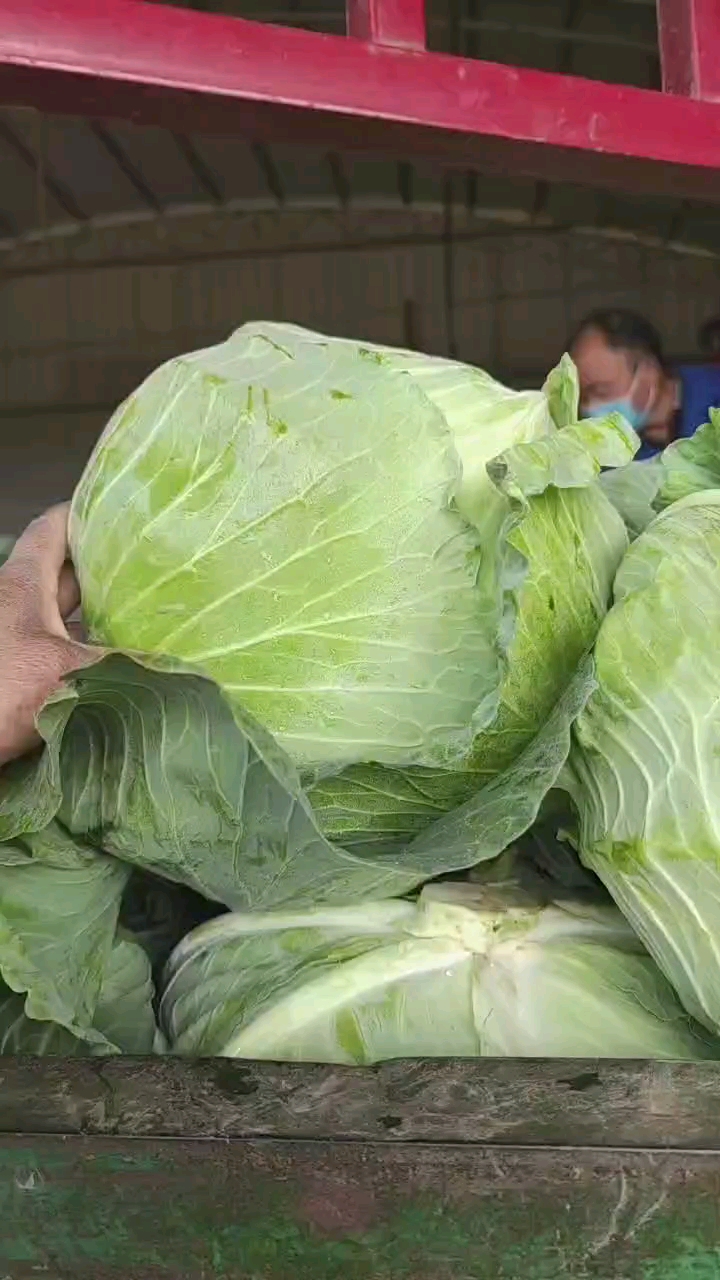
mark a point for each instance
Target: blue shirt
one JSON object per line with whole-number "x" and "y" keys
{"x": 699, "y": 393}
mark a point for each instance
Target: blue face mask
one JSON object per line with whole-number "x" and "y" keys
{"x": 638, "y": 418}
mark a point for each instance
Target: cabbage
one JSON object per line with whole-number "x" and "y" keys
{"x": 692, "y": 465}
{"x": 494, "y": 968}
{"x": 641, "y": 489}
{"x": 157, "y": 768}
{"x": 59, "y": 906}
{"x": 123, "y": 1016}
{"x": 484, "y": 417}
{"x": 324, "y": 529}
{"x": 70, "y": 979}
{"x": 633, "y": 491}
{"x": 644, "y": 769}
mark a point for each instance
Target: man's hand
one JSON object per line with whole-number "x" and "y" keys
{"x": 38, "y": 592}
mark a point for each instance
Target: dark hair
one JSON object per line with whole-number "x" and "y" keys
{"x": 623, "y": 331}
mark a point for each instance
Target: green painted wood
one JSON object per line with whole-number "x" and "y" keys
{"x": 317, "y": 1211}
{"x": 413, "y": 1171}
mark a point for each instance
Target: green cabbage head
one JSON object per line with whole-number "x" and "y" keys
{"x": 484, "y": 969}
{"x": 644, "y": 769}
{"x": 392, "y": 562}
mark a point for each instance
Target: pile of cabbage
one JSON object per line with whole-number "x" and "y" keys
{"x": 406, "y": 741}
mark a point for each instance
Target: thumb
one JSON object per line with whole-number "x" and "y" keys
{"x": 36, "y": 564}
{"x": 44, "y": 545}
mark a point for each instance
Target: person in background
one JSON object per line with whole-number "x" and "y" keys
{"x": 709, "y": 339}
{"x": 38, "y": 595}
{"x": 622, "y": 369}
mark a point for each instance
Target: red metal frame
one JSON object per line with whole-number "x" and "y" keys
{"x": 690, "y": 47}
{"x": 392, "y": 22}
{"x": 205, "y": 72}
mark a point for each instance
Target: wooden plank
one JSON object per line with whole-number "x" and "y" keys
{"x": 493, "y": 1101}
{"x": 393, "y": 22}
{"x": 111, "y": 1208}
{"x": 689, "y": 32}
{"x": 202, "y": 72}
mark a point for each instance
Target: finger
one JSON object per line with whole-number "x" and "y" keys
{"x": 36, "y": 564}
{"x": 68, "y": 591}
{"x": 44, "y": 542}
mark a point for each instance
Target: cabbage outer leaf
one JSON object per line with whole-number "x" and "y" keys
{"x": 644, "y": 769}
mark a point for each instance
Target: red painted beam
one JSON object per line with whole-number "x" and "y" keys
{"x": 689, "y": 33}
{"x": 203, "y": 72}
{"x": 399, "y": 23}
